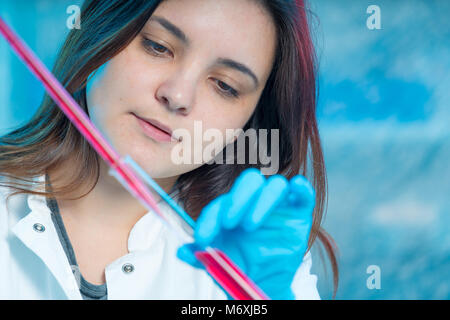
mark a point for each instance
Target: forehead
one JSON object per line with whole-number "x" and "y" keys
{"x": 239, "y": 29}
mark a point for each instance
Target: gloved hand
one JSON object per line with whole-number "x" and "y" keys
{"x": 262, "y": 225}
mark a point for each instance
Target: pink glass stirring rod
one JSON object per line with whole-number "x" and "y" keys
{"x": 218, "y": 265}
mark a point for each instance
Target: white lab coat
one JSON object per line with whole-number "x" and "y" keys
{"x": 33, "y": 264}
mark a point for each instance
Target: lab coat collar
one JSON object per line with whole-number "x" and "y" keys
{"x": 145, "y": 235}
{"x": 45, "y": 244}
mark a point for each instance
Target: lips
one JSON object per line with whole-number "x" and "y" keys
{"x": 156, "y": 129}
{"x": 157, "y": 124}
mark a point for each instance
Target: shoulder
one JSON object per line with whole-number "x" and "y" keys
{"x": 12, "y": 207}
{"x": 5, "y": 191}
{"x": 304, "y": 284}
{"x": 5, "y": 220}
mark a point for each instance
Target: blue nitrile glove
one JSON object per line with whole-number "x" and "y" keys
{"x": 262, "y": 225}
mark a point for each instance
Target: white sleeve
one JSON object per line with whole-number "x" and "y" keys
{"x": 304, "y": 284}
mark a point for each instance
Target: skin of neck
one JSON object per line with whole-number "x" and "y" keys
{"x": 108, "y": 203}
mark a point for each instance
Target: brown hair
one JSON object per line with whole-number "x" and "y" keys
{"x": 288, "y": 103}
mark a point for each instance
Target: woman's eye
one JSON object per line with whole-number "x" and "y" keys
{"x": 226, "y": 89}
{"x": 155, "y": 48}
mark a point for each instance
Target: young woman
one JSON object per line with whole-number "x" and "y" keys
{"x": 143, "y": 71}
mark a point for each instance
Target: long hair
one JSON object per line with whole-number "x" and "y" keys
{"x": 287, "y": 103}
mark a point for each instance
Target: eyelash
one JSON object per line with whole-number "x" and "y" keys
{"x": 230, "y": 93}
{"x": 150, "y": 45}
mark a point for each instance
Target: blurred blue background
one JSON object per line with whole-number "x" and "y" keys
{"x": 384, "y": 113}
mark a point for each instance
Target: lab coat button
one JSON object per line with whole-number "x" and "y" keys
{"x": 127, "y": 268}
{"x": 38, "y": 227}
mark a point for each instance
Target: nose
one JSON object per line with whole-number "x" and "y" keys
{"x": 177, "y": 94}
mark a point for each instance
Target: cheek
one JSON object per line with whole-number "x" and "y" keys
{"x": 222, "y": 113}
{"x": 123, "y": 84}
{"x": 97, "y": 100}
{"x": 230, "y": 117}
{"x": 108, "y": 103}
{"x": 117, "y": 88}
{"x": 218, "y": 128}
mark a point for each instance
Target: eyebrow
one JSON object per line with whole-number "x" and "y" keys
{"x": 169, "y": 26}
{"x": 239, "y": 67}
{"x": 173, "y": 29}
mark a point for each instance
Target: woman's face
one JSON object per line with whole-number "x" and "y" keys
{"x": 195, "y": 60}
